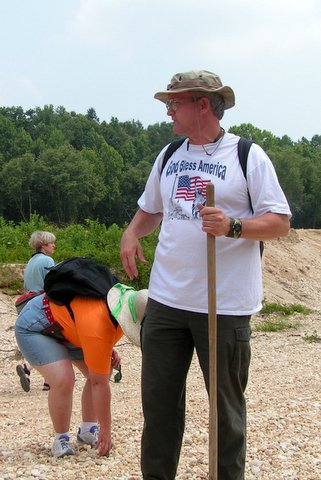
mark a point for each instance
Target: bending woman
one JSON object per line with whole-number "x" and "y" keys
{"x": 52, "y": 342}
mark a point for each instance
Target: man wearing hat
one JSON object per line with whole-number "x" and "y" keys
{"x": 247, "y": 210}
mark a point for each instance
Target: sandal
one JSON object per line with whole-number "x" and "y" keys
{"x": 24, "y": 373}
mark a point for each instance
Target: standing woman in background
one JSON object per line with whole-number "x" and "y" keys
{"x": 33, "y": 280}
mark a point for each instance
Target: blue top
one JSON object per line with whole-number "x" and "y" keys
{"x": 36, "y": 270}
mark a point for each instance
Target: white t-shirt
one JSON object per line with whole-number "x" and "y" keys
{"x": 179, "y": 272}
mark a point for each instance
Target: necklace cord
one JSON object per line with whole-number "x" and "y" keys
{"x": 216, "y": 141}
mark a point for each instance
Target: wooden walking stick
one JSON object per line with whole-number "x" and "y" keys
{"x": 212, "y": 335}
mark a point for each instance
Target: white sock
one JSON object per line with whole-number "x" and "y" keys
{"x": 86, "y": 426}
{"x": 58, "y": 435}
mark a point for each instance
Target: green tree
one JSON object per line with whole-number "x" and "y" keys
{"x": 112, "y": 174}
{"x": 16, "y": 185}
{"x": 13, "y": 141}
{"x": 132, "y": 186}
{"x": 69, "y": 185}
{"x": 262, "y": 137}
{"x": 92, "y": 115}
{"x": 82, "y": 132}
{"x": 288, "y": 166}
{"x": 159, "y": 135}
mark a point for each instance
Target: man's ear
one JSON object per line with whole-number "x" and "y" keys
{"x": 205, "y": 104}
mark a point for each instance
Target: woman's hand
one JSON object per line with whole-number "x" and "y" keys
{"x": 104, "y": 443}
{"x": 115, "y": 359}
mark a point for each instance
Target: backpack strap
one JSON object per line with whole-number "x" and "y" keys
{"x": 112, "y": 318}
{"x": 71, "y": 313}
{"x": 243, "y": 148}
{"x": 54, "y": 328}
{"x": 172, "y": 147}
{"x": 47, "y": 310}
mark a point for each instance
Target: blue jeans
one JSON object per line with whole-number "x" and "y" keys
{"x": 169, "y": 337}
{"x": 36, "y": 348}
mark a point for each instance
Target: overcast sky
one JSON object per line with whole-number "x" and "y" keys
{"x": 113, "y": 55}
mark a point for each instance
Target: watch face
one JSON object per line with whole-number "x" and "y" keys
{"x": 237, "y": 228}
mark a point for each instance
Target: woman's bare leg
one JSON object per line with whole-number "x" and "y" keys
{"x": 61, "y": 378}
{"x": 87, "y": 406}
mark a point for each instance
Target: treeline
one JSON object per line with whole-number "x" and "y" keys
{"x": 70, "y": 168}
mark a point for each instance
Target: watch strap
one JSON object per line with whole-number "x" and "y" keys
{"x": 235, "y": 230}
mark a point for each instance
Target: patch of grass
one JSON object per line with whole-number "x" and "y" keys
{"x": 275, "y": 325}
{"x": 313, "y": 338}
{"x": 274, "y": 316}
{"x": 284, "y": 310}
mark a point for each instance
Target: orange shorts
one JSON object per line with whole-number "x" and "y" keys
{"x": 92, "y": 329}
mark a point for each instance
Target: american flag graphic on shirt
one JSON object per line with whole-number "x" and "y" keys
{"x": 188, "y": 185}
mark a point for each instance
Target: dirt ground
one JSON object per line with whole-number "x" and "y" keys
{"x": 292, "y": 269}
{"x": 283, "y": 395}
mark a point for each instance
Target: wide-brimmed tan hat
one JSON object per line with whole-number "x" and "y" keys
{"x": 128, "y": 305}
{"x": 197, "y": 81}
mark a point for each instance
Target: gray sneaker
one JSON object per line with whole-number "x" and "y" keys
{"x": 90, "y": 438}
{"x": 61, "y": 447}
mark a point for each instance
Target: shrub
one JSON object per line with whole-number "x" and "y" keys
{"x": 92, "y": 239}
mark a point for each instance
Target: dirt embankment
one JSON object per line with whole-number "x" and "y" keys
{"x": 292, "y": 268}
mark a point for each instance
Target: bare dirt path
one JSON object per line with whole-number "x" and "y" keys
{"x": 284, "y": 405}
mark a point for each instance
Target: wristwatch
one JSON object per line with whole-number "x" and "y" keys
{"x": 235, "y": 228}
